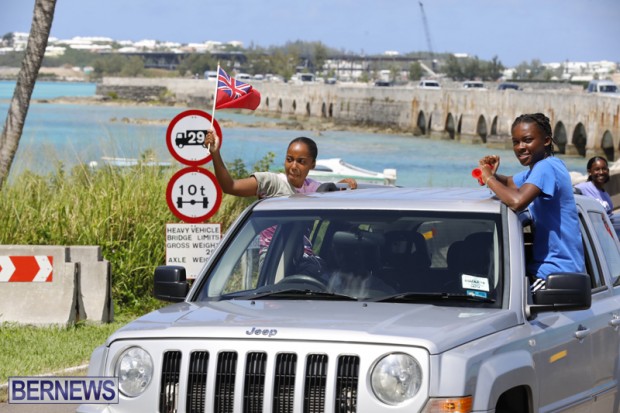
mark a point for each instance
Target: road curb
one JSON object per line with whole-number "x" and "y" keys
{"x": 76, "y": 370}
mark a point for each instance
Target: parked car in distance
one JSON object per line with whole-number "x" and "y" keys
{"x": 508, "y": 86}
{"x": 383, "y": 83}
{"x": 474, "y": 84}
{"x": 429, "y": 84}
{"x": 210, "y": 74}
{"x": 603, "y": 86}
{"x": 244, "y": 77}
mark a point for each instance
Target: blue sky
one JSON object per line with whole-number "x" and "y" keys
{"x": 513, "y": 30}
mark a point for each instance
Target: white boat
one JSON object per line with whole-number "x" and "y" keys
{"x": 326, "y": 170}
{"x": 335, "y": 169}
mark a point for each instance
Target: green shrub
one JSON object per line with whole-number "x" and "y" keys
{"x": 123, "y": 210}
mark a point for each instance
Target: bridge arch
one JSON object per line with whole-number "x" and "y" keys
{"x": 580, "y": 138}
{"x": 560, "y": 137}
{"x": 421, "y": 123}
{"x": 323, "y": 110}
{"x": 331, "y": 110}
{"x": 481, "y": 128}
{"x": 308, "y": 108}
{"x": 450, "y": 128}
{"x": 459, "y": 125}
{"x": 494, "y": 126}
{"x": 280, "y": 105}
{"x": 429, "y": 128}
{"x": 267, "y": 102}
{"x": 294, "y": 106}
{"x": 607, "y": 144}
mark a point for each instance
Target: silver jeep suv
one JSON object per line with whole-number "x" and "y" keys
{"x": 376, "y": 300}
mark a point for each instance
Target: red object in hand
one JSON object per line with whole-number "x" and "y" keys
{"x": 477, "y": 174}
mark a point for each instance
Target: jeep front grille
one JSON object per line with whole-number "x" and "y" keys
{"x": 197, "y": 381}
{"x": 256, "y": 379}
{"x": 169, "y": 389}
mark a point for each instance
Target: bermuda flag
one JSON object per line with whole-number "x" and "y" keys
{"x": 233, "y": 94}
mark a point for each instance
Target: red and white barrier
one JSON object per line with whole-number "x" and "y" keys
{"x": 45, "y": 285}
{"x": 26, "y": 268}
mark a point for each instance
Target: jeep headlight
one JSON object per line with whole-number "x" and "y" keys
{"x": 396, "y": 378}
{"x": 134, "y": 370}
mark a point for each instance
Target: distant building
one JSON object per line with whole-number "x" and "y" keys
{"x": 54, "y": 51}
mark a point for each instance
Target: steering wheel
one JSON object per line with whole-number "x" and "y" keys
{"x": 303, "y": 279}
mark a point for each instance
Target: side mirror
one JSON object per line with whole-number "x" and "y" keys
{"x": 564, "y": 292}
{"x": 170, "y": 283}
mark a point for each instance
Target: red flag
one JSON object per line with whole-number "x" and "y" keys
{"x": 234, "y": 94}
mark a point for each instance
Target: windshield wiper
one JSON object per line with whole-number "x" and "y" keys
{"x": 417, "y": 297}
{"x": 295, "y": 292}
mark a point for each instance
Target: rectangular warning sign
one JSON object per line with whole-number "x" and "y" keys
{"x": 191, "y": 245}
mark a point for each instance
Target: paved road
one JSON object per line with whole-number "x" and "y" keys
{"x": 34, "y": 408}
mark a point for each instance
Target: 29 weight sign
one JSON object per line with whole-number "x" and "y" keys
{"x": 186, "y": 135}
{"x": 193, "y": 194}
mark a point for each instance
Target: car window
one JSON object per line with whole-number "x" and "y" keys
{"x": 608, "y": 244}
{"x": 363, "y": 255}
{"x": 592, "y": 266}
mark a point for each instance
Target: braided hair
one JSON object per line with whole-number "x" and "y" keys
{"x": 543, "y": 124}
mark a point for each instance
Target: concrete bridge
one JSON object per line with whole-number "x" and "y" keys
{"x": 583, "y": 124}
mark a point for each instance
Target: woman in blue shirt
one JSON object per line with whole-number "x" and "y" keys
{"x": 545, "y": 189}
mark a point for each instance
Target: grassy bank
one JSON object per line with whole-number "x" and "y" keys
{"x": 123, "y": 210}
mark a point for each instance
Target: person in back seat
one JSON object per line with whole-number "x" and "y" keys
{"x": 594, "y": 187}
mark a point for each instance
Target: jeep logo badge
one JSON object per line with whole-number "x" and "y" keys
{"x": 262, "y": 332}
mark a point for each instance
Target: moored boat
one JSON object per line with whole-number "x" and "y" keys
{"x": 335, "y": 169}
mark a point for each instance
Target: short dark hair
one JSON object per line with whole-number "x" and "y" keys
{"x": 314, "y": 151}
{"x": 543, "y": 124}
{"x": 591, "y": 162}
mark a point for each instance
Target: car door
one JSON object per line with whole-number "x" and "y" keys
{"x": 562, "y": 351}
{"x": 605, "y": 319}
{"x": 581, "y": 373}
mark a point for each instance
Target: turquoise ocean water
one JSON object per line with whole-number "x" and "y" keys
{"x": 72, "y": 133}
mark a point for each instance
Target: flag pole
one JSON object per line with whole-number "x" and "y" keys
{"x": 217, "y": 77}
{"x": 215, "y": 90}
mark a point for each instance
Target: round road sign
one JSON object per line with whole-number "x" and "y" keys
{"x": 193, "y": 194}
{"x": 186, "y": 134}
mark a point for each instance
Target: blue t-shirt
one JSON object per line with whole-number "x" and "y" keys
{"x": 557, "y": 238}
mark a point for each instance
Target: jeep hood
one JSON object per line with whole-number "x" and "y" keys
{"x": 435, "y": 328}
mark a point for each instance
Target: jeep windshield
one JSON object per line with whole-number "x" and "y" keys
{"x": 439, "y": 258}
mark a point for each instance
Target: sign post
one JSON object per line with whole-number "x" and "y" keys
{"x": 193, "y": 193}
